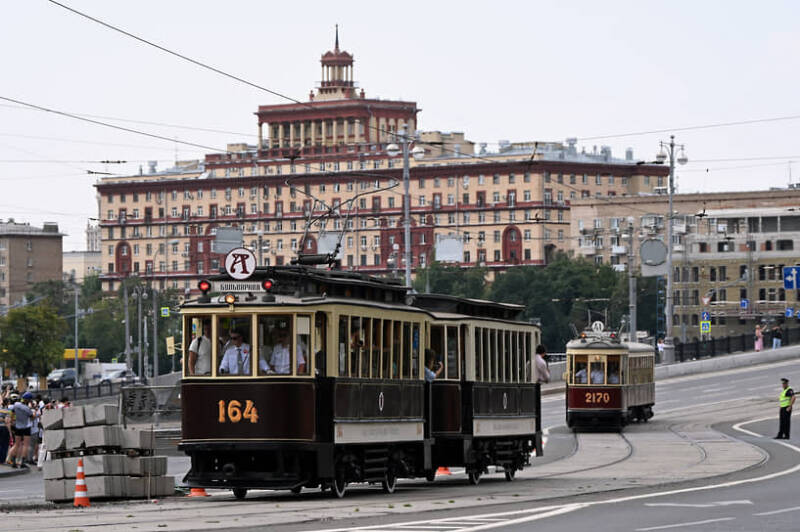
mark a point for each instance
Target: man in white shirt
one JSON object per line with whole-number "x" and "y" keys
{"x": 236, "y": 360}
{"x": 596, "y": 376}
{"x": 542, "y": 370}
{"x": 281, "y": 359}
{"x": 200, "y": 352}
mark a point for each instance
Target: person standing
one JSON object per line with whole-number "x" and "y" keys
{"x": 200, "y": 352}
{"x": 786, "y": 401}
{"x": 542, "y": 369}
{"x": 5, "y": 428}
{"x": 777, "y": 337}
{"x": 759, "y": 345}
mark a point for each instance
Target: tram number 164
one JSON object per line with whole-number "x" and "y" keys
{"x": 597, "y": 397}
{"x": 233, "y": 411}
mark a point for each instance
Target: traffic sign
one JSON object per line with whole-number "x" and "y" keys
{"x": 744, "y": 303}
{"x": 789, "y": 312}
{"x": 165, "y": 312}
{"x": 705, "y": 316}
{"x": 791, "y": 277}
{"x": 706, "y": 300}
{"x": 705, "y": 326}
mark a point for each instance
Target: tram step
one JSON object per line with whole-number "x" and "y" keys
{"x": 373, "y": 471}
{"x": 376, "y": 460}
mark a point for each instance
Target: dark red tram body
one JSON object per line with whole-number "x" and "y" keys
{"x": 353, "y": 405}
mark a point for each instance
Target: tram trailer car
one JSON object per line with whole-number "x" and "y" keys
{"x": 326, "y": 386}
{"x": 608, "y": 383}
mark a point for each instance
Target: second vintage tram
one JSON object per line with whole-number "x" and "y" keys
{"x": 609, "y": 383}
{"x": 315, "y": 378}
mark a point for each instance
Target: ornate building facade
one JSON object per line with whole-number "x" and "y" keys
{"x": 329, "y": 154}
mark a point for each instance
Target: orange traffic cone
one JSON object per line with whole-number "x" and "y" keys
{"x": 197, "y": 492}
{"x": 81, "y": 495}
{"x": 443, "y": 471}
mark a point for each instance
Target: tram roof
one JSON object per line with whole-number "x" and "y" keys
{"x": 595, "y": 342}
{"x": 471, "y": 307}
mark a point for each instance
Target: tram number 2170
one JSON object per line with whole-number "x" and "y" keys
{"x": 596, "y": 397}
{"x": 232, "y": 411}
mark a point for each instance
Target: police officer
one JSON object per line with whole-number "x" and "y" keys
{"x": 786, "y": 402}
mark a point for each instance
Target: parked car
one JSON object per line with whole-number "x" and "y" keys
{"x": 119, "y": 376}
{"x": 59, "y": 378}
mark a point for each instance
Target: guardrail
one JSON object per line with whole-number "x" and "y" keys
{"x": 87, "y": 391}
{"x": 730, "y": 344}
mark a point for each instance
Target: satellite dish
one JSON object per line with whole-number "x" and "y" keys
{"x": 653, "y": 252}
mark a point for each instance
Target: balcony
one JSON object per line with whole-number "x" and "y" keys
{"x": 619, "y": 267}
{"x": 678, "y": 227}
{"x": 619, "y": 250}
{"x": 587, "y": 250}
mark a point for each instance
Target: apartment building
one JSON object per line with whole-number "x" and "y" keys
{"x": 28, "y": 255}
{"x": 329, "y": 155}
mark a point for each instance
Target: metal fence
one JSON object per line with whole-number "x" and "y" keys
{"x": 87, "y": 391}
{"x": 730, "y": 344}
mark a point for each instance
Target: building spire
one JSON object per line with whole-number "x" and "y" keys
{"x": 336, "y": 47}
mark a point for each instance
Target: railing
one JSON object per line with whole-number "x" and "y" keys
{"x": 87, "y": 391}
{"x": 730, "y": 344}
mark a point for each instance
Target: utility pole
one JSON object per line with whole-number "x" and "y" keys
{"x": 632, "y": 328}
{"x": 406, "y": 205}
{"x": 77, "y": 374}
{"x": 127, "y": 325}
{"x": 155, "y": 334}
{"x": 139, "y": 322}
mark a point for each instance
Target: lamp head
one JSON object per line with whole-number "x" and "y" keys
{"x": 662, "y": 155}
{"x": 393, "y": 150}
{"x": 682, "y": 159}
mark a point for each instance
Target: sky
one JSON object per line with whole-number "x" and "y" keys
{"x": 527, "y": 70}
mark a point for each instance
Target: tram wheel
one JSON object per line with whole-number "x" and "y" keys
{"x": 510, "y": 474}
{"x": 339, "y": 486}
{"x": 240, "y": 493}
{"x": 389, "y": 483}
{"x": 474, "y": 476}
{"x": 430, "y": 475}
{"x": 297, "y": 489}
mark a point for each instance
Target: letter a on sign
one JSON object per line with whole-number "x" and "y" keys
{"x": 240, "y": 263}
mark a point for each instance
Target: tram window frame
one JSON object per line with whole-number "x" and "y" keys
{"x": 405, "y": 369}
{"x": 611, "y": 359}
{"x": 366, "y": 349}
{"x": 397, "y": 348}
{"x": 451, "y": 352}
{"x": 355, "y": 345}
{"x": 416, "y": 340}
{"x": 487, "y": 358}
{"x": 375, "y": 348}
{"x": 298, "y": 341}
{"x": 463, "y": 336}
{"x": 237, "y": 322}
{"x": 188, "y": 330}
{"x": 438, "y": 344}
{"x": 265, "y": 351}
{"x": 494, "y": 358}
{"x": 601, "y": 361}
{"x": 528, "y": 358}
{"x": 386, "y": 359}
{"x": 576, "y": 360}
{"x": 344, "y": 346}
{"x": 476, "y": 339}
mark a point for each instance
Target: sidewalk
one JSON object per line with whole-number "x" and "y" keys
{"x": 8, "y": 471}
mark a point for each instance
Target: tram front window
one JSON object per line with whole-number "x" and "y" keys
{"x": 597, "y": 372}
{"x": 613, "y": 370}
{"x": 580, "y": 370}
{"x": 234, "y": 353}
{"x": 275, "y": 345}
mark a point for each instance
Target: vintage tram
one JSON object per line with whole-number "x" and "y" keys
{"x": 315, "y": 378}
{"x": 608, "y": 383}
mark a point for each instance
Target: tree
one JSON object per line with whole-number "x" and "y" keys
{"x": 561, "y": 293}
{"x": 452, "y": 280}
{"x": 31, "y": 339}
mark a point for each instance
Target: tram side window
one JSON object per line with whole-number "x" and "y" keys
{"x": 507, "y": 355}
{"x": 579, "y": 370}
{"x": 613, "y": 369}
{"x": 476, "y": 336}
{"x": 197, "y": 339}
{"x": 415, "y": 340}
{"x": 303, "y": 345}
{"x": 462, "y": 351}
{"x": 397, "y": 342}
{"x": 597, "y": 371}
{"x": 375, "y": 344}
{"x": 275, "y": 344}
{"x": 528, "y": 357}
{"x": 343, "y": 345}
{"x": 356, "y": 344}
{"x": 234, "y": 352}
{"x": 493, "y": 355}
{"x": 438, "y": 345}
{"x": 320, "y": 343}
{"x": 406, "y": 366}
{"x": 452, "y": 353}
{"x": 387, "y": 350}
{"x": 367, "y": 347}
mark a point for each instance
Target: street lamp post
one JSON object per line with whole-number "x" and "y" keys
{"x": 632, "y": 326}
{"x": 77, "y": 316}
{"x": 668, "y": 150}
{"x": 418, "y": 152}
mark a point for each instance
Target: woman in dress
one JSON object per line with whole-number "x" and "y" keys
{"x": 759, "y": 338}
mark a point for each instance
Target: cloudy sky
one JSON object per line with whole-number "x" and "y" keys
{"x": 528, "y": 70}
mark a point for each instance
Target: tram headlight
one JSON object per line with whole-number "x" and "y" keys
{"x": 230, "y": 299}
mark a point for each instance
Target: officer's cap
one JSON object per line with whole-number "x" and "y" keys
{"x": 784, "y": 379}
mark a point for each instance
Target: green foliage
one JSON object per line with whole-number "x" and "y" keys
{"x": 561, "y": 293}
{"x": 452, "y": 280}
{"x": 31, "y": 339}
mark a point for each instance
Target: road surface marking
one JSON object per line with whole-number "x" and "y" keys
{"x": 780, "y": 511}
{"x": 738, "y": 426}
{"x": 699, "y": 505}
{"x": 692, "y": 523}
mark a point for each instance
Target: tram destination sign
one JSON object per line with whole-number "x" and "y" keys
{"x": 236, "y": 286}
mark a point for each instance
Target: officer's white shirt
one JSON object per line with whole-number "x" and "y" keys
{"x": 202, "y": 346}
{"x": 596, "y": 377}
{"x": 230, "y": 361}
{"x": 281, "y": 358}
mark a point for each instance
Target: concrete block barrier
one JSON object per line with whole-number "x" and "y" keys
{"x": 56, "y": 490}
{"x": 52, "y": 418}
{"x": 146, "y": 465}
{"x": 138, "y": 439}
{"x": 74, "y": 438}
{"x": 55, "y": 439}
{"x": 102, "y": 436}
{"x": 73, "y": 417}
{"x": 101, "y": 414}
{"x": 53, "y": 470}
{"x": 104, "y": 464}
{"x": 105, "y": 487}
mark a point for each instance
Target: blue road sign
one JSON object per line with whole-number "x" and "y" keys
{"x": 743, "y": 304}
{"x": 705, "y": 326}
{"x": 791, "y": 277}
{"x": 705, "y": 316}
{"x": 797, "y": 313}
{"x": 789, "y": 312}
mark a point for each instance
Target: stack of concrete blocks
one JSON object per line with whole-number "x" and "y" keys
{"x": 117, "y": 462}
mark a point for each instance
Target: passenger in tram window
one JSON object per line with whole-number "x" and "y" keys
{"x": 613, "y": 372}
{"x": 430, "y": 363}
{"x": 580, "y": 373}
{"x": 596, "y": 375}
{"x": 236, "y": 360}
{"x": 281, "y": 358}
{"x": 200, "y": 352}
{"x": 542, "y": 370}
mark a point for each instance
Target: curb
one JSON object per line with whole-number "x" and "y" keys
{"x": 6, "y": 471}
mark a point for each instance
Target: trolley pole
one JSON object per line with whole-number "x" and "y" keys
{"x": 127, "y": 325}
{"x": 406, "y": 206}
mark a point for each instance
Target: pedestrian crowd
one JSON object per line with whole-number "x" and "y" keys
{"x": 21, "y": 433}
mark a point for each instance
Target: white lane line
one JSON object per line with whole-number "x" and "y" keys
{"x": 566, "y": 509}
{"x": 709, "y": 390}
{"x": 699, "y": 505}
{"x": 738, "y": 426}
{"x": 691, "y": 523}
{"x": 774, "y": 512}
